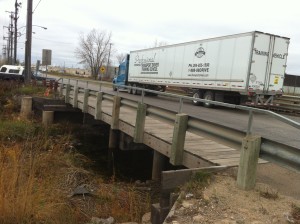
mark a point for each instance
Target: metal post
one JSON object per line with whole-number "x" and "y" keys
{"x": 143, "y": 95}
{"x": 250, "y": 121}
{"x": 180, "y": 105}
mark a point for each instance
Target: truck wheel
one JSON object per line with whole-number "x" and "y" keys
{"x": 134, "y": 91}
{"x": 197, "y": 94}
{"x": 208, "y": 95}
{"x": 129, "y": 90}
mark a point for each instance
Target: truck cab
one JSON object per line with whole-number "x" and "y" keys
{"x": 122, "y": 77}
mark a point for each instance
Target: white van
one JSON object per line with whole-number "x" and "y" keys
{"x": 12, "y": 69}
{"x": 12, "y": 72}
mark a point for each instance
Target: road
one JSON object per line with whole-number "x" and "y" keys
{"x": 263, "y": 125}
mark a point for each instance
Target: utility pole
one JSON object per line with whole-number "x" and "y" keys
{"x": 28, "y": 42}
{"x": 16, "y": 31}
{"x": 11, "y": 37}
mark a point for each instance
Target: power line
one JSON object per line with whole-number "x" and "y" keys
{"x": 53, "y": 41}
{"x": 36, "y": 6}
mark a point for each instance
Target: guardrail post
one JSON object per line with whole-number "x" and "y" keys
{"x": 75, "y": 97}
{"x": 85, "y": 100}
{"x": 140, "y": 123}
{"x": 26, "y": 107}
{"x": 61, "y": 89}
{"x": 115, "y": 113}
{"x": 179, "y": 132}
{"x": 67, "y": 97}
{"x": 98, "y": 106}
{"x": 246, "y": 177}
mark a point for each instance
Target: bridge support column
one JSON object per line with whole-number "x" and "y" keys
{"x": 157, "y": 165}
{"x": 140, "y": 123}
{"x": 179, "y": 132}
{"x": 48, "y": 117}
{"x": 26, "y": 107}
{"x": 98, "y": 106}
{"x": 246, "y": 177}
{"x": 115, "y": 113}
{"x": 113, "y": 144}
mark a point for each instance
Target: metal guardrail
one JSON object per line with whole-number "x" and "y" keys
{"x": 270, "y": 150}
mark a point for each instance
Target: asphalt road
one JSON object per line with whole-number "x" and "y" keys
{"x": 263, "y": 125}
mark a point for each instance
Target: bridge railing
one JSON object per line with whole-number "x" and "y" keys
{"x": 270, "y": 150}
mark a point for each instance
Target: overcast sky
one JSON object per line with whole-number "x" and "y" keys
{"x": 136, "y": 24}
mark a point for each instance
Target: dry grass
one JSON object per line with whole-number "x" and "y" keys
{"x": 296, "y": 213}
{"x": 40, "y": 168}
{"x": 37, "y": 177}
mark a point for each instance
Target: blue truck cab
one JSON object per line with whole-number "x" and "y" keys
{"x": 122, "y": 78}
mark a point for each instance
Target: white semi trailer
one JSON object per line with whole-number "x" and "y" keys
{"x": 247, "y": 66}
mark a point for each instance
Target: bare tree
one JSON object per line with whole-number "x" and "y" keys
{"x": 93, "y": 49}
{"x": 159, "y": 43}
{"x": 121, "y": 57}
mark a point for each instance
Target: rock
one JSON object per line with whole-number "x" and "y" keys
{"x": 96, "y": 220}
{"x": 257, "y": 222}
{"x": 129, "y": 223}
{"x": 81, "y": 190}
{"x": 225, "y": 221}
{"x": 205, "y": 196}
{"x": 198, "y": 219}
{"x": 187, "y": 204}
{"x": 189, "y": 196}
{"x": 278, "y": 220}
{"x": 146, "y": 218}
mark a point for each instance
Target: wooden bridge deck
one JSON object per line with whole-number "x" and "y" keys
{"x": 199, "y": 151}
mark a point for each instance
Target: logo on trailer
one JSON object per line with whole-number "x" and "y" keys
{"x": 200, "y": 52}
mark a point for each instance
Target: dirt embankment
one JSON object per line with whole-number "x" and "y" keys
{"x": 275, "y": 199}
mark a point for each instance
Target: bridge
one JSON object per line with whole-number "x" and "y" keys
{"x": 187, "y": 141}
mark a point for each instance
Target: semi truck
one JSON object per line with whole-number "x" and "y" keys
{"x": 246, "y": 67}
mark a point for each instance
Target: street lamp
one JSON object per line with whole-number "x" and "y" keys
{"x": 45, "y": 28}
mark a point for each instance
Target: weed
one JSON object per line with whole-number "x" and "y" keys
{"x": 197, "y": 182}
{"x": 296, "y": 213}
{"x": 269, "y": 194}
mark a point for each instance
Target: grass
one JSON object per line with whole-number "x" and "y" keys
{"x": 198, "y": 181}
{"x": 40, "y": 168}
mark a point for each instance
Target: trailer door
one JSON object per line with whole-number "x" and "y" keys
{"x": 261, "y": 60}
{"x": 268, "y": 63}
{"x": 279, "y": 57}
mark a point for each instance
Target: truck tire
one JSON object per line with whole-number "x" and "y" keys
{"x": 129, "y": 90}
{"x": 197, "y": 94}
{"x": 208, "y": 95}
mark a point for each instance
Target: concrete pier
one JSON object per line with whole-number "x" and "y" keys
{"x": 26, "y": 107}
{"x": 48, "y": 117}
